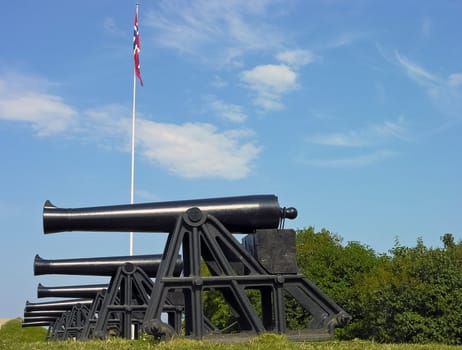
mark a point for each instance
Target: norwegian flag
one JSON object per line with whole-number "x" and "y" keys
{"x": 136, "y": 49}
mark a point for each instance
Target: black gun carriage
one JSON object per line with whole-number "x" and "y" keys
{"x": 204, "y": 232}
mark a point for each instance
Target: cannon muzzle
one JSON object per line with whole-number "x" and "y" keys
{"x": 79, "y": 291}
{"x": 101, "y": 266}
{"x": 242, "y": 214}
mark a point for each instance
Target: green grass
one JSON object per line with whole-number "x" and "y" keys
{"x": 13, "y": 337}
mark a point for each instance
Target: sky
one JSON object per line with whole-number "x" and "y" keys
{"x": 349, "y": 111}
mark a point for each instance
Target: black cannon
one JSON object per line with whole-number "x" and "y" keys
{"x": 242, "y": 214}
{"x": 79, "y": 291}
{"x": 202, "y": 231}
{"x": 44, "y": 313}
{"x": 65, "y": 319}
{"x": 27, "y": 323}
{"x": 125, "y": 298}
{"x": 101, "y": 266}
{"x": 61, "y": 305}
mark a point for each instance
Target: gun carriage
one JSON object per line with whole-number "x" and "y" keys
{"x": 202, "y": 232}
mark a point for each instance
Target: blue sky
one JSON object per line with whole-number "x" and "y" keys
{"x": 349, "y": 111}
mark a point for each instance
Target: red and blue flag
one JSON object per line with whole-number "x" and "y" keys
{"x": 136, "y": 49}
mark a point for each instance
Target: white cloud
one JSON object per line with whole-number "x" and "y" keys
{"x": 270, "y": 82}
{"x": 296, "y": 58}
{"x": 216, "y": 31}
{"x": 195, "y": 150}
{"x": 227, "y": 111}
{"x": 371, "y": 135}
{"x": 47, "y": 113}
{"x": 109, "y": 126}
{"x": 270, "y": 77}
{"x": 190, "y": 150}
{"x": 363, "y": 139}
{"x": 416, "y": 72}
{"x": 443, "y": 93}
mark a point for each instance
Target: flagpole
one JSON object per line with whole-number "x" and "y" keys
{"x": 132, "y": 183}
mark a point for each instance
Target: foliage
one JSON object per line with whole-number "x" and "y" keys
{"x": 412, "y": 295}
{"x": 334, "y": 267}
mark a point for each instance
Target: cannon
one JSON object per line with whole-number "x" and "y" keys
{"x": 126, "y": 295}
{"x": 242, "y": 214}
{"x": 61, "y": 305}
{"x": 44, "y": 313}
{"x": 65, "y": 320}
{"x": 204, "y": 231}
{"x": 26, "y": 324}
{"x": 101, "y": 266}
{"x": 80, "y": 291}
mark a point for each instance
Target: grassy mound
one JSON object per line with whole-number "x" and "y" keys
{"x": 12, "y": 331}
{"x": 13, "y": 336}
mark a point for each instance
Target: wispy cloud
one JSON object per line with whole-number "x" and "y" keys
{"x": 218, "y": 82}
{"x": 111, "y": 28}
{"x": 444, "y": 93}
{"x": 343, "y": 39}
{"x": 22, "y": 100}
{"x": 455, "y": 80}
{"x": 192, "y": 150}
{"x": 226, "y": 111}
{"x": 368, "y": 136}
{"x": 216, "y": 31}
{"x": 354, "y": 161}
{"x": 220, "y": 33}
{"x": 416, "y": 72}
{"x": 296, "y": 58}
{"x": 367, "y": 145}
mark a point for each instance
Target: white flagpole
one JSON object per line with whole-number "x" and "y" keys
{"x": 132, "y": 185}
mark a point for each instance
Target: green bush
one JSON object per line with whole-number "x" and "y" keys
{"x": 411, "y": 295}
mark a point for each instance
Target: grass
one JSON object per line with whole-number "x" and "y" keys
{"x": 12, "y": 336}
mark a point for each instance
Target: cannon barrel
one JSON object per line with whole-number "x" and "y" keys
{"x": 57, "y": 305}
{"x": 29, "y": 319}
{"x": 44, "y": 313}
{"x": 242, "y": 214}
{"x": 37, "y": 324}
{"x": 79, "y": 291}
{"x": 100, "y": 266}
